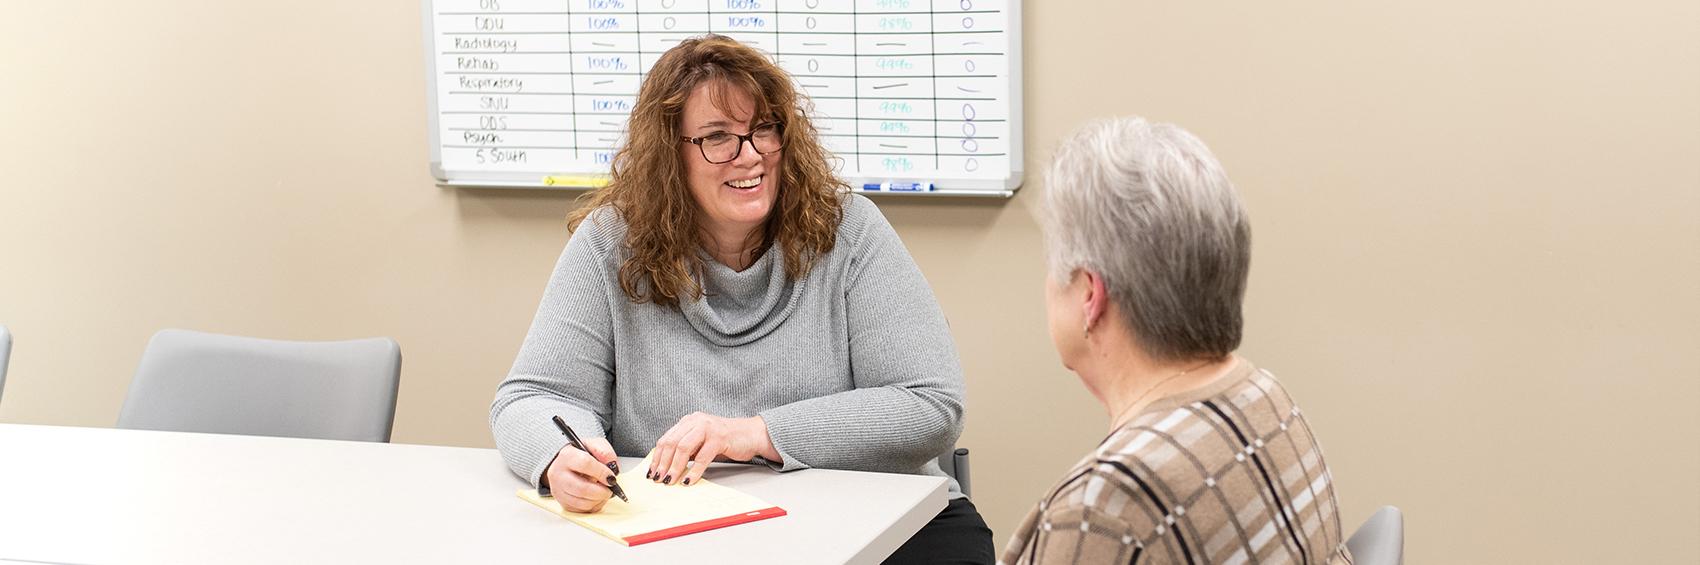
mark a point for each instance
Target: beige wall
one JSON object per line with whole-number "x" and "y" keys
{"x": 1477, "y": 227}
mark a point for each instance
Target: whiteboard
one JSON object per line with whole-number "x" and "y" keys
{"x": 907, "y": 94}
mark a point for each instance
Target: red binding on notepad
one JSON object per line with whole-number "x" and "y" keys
{"x": 704, "y": 526}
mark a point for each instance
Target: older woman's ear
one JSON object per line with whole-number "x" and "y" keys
{"x": 1095, "y": 300}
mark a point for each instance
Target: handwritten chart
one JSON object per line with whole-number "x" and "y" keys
{"x": 905, "y": 92}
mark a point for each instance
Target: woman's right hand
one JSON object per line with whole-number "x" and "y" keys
{"x": 579, "y": 480}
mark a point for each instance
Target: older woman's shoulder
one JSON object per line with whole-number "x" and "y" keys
{"x": 1244, "y": 420}
{"x": 1233, "y": 447}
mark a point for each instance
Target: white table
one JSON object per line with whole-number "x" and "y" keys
{"x": 94, "y": 496}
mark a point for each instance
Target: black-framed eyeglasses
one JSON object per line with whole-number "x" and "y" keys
{"x": 722, "y": 147}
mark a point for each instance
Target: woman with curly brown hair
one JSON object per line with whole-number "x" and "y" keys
{"x": 726, "y": 296}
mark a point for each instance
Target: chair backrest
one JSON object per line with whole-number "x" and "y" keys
{"x": 954, "y": 462}
{"x": 5, "y": 356}
{"x": 1380, "y": 540}
{"x": 200, "y": 382}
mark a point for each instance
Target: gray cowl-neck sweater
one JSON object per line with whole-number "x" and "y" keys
{"x": 852, "y": 366}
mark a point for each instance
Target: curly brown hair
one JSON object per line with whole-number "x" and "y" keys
{"x": 648, "y": 187}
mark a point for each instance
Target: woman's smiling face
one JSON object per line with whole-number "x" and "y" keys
{"x": 735, "y": 196}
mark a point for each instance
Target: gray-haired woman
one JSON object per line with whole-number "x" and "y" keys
{"x": 1208, "y": 460}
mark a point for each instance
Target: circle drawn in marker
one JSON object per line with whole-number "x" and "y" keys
{"x": 968, "y": 111}
{"x": 970, "y": 146}
{"x": 971, "y": 164}
{"x": 967, "y": 4}
{"x": 968, "y": 129}
{"x": 814, "y": 66}
{"x": 968, "y": 65}
{"x": 810, "y": 21}
{"x": 668, "y": 23}
{"x": 968, "y": 22}
{"x": 812, "y": 4}
{"x": 668, "y": 4}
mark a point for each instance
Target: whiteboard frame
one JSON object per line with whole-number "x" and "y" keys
{"x": 993, "y": 188}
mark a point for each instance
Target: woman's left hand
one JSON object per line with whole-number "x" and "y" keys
{"x": 684, "y": 452}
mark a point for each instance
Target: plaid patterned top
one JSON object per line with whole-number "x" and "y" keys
{"x": 1228, "y": 473}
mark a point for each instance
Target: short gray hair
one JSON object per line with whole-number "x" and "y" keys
{"x": 1148, "y": 208}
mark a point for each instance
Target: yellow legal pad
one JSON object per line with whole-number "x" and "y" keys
{"x": 659, "y": 512}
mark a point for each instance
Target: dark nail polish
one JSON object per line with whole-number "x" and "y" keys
{"x": 614, "y": 466}
{"x": 667, "y": 480}
{"x": 687, "y": 481}
{"x": 610, "y": 481}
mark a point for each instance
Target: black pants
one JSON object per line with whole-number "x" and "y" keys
{"x": 956, "y": 535}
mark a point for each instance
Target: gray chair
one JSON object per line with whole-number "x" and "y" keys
{"x": 5, "y": 356}
{"x": 955, "y": 463}
{"x": 1380, "y": 540}
{"x": 200, "y": 382}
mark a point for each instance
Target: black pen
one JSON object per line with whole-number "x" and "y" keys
{"x": 612, "y": 466}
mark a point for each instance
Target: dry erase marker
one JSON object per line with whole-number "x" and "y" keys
{"x": 575, "y": 181}
{"x": 908, "y": 186}
{"x": 900, "y": 186}
{"x": 573, "y": 438}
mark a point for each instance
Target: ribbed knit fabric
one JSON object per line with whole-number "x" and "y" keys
{"x": 852, "y": 366}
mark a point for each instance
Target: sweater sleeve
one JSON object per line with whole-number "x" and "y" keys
{"x": 906, "y": 407}
{"x": 565, "y": 366}
{"x": 1069, "y": 532}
